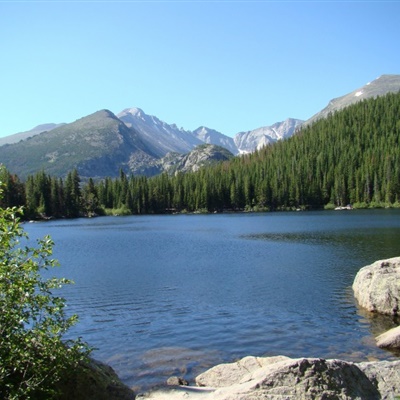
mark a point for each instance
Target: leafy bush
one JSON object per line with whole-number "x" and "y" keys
{"x": 33, "y": 354}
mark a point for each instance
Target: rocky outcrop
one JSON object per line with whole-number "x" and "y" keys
{"x": 377, "y": 286}
{"x": 285, "y": 378}
{"x": 229, "y": 374}
{"x": 201, "y": 156}
{"x": 389, "y": 339}
{"x": 385, "y": 376}
{"x": 94, "y": 381}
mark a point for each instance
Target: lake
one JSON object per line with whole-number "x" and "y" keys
{"x": 174, "y": 295}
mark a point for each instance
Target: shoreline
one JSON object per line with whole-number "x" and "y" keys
{"x": 282, "y": 377}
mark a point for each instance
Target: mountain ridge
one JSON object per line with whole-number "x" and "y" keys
{"x": 16, "y": 137}
{"x": 102, "y": 143}
{"x": 97, "y": 144}
{"x": 386, "y": 83}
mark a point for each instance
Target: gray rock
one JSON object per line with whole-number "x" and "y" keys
{"x": 385, "y": 375}
{"x": 277, "y": 378}
{"x": 304, "y": 378}
{"x": 229, "y": 374}
{"x": 389, "y": 339}
{"x": 177, "y": 381}
{"x": 377, "y": 286}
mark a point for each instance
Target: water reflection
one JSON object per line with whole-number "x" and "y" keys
{"x": 383, "y": 241}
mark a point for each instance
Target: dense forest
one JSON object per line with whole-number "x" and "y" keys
{"x": 350, "y": 157}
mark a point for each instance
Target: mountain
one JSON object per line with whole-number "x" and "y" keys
{"x": 378, "y": 87}
{"x": 211, "y": 136}
{"x": 159, "y": 137}
{"x": 97, "y": 145}
{"x": 102, "y": 143}
{"x": 249, "y": 141}
{"x": 163, "y": 138}
{"x": 16, "y": 137}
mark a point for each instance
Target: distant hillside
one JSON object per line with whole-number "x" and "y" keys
{"x": 16, "y": 137}
{"x": 97, "y": 145}
{"x": 350, "y": 157}
{"x": 378, "y": 87}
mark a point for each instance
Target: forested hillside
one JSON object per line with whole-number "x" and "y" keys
{"x": 350, "y": 157}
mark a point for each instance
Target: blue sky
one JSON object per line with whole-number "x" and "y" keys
{"x": 228, "y": 65}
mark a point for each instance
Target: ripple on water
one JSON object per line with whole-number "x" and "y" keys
{"x": 162, "y": 295}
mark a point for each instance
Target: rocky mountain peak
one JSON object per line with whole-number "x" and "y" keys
{"x": 249, "y": 141}
{"x": 134, "y": 111}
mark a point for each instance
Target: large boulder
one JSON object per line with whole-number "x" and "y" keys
{"x": 385, "y": 375}
{"x": 389, "y": 339}
{"x": 276, "y": 378}
{"x": 228, "y": 374}
{"x": 377, "y": 286}
{"x": 304, "y": 378}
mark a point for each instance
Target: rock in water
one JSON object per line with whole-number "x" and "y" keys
{"x": 389, "y": 339}
{"x": 377, "y": 286}
{"x": 177, "y": 381}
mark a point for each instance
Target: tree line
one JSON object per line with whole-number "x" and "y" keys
{"x": 350, "y": 157}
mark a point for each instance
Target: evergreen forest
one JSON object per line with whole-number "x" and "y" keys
{"x": 350, "y": 157}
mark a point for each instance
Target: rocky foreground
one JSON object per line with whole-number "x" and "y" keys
{"x": 281, "y": 377}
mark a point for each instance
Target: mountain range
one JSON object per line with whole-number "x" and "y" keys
{"x": 102, "y": 143}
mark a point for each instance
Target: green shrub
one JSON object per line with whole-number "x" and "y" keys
{"x": 33, "y": 354}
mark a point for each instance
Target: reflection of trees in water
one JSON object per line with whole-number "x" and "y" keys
{"x": 378, "y": 243}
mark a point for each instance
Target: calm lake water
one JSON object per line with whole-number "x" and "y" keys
{"x": 173, "y": 295}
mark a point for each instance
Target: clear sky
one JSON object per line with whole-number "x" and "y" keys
{"x": 229, "y": 65}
